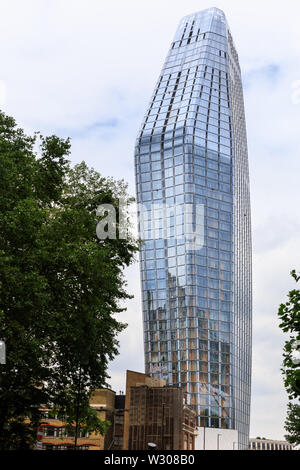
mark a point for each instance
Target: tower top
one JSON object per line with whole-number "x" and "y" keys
{"x": 213, "y": 11}
{"x": 211, "y": 19}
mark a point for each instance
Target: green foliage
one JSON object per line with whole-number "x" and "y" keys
{"x": 292, "y": 424}
{"x": 86, "y": 419}
{"x": 60, "y": 286}
{"x": 289, "y": 314}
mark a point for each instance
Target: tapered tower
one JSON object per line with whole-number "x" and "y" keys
{"x": 193, "y": 193}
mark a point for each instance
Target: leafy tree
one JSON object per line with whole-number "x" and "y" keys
{"x": 77, "y": 415}
{"x": 292, "y": 424}
{"x": 60, "y": 286}
{"x": 289, "y": 314}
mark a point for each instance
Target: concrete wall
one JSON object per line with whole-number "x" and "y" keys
{"x": 216, "y": 439}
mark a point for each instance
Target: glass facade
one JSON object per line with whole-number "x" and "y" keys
{"x": 192, "y": 177}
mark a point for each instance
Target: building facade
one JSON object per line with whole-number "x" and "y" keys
{"x": 268, "y": 444}
{"x": 109, "y": 407}
{"x": 193, "y": 194}
{"x": 216, "y": 439}
{"x": 159, "y": 416}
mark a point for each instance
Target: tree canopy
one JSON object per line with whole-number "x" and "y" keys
{"x": 60, "y": 286}
{"x": 289, "y": 314}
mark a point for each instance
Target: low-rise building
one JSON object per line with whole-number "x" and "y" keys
{"x": 109, "y": 407}
{"x": 158, "y": 415}
{"x": 268, "y": 444}
{"x": 150, "y": 412}
{"x": 216, "y": 439}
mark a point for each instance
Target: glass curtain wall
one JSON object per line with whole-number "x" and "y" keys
{"x": 192, "y": 176}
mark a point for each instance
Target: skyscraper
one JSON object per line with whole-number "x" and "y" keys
{"x": 194, "y": 217}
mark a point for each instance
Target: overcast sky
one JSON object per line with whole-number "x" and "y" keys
{"x": 86, "y": 69}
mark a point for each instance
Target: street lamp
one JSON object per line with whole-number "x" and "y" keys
{"x": 151, "y": 446}
{"x": 218, "y": 441}
{"x": 163, "y": 427}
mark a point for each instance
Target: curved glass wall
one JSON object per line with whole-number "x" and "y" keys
{"x": 193, "y": 184}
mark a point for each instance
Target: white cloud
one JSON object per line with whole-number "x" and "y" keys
{"x": 2, "y": 93}
{"x": 71, "y": 65}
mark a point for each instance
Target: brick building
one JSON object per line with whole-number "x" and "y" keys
{"x": 108, "y": 406}
{"x": 157, "y": 414}
{"x": 150, "y": 412}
